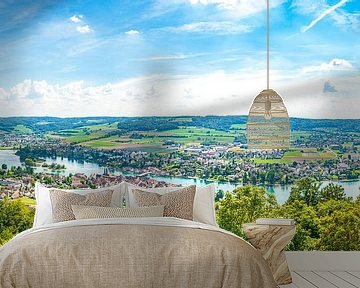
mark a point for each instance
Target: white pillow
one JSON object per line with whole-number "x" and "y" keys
{"x": 204, "y": 205}
{"x": 43, "y": 213}
{"x": 204, "y": 202}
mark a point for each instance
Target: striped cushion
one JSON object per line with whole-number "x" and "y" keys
{"x": 93, "y": 212}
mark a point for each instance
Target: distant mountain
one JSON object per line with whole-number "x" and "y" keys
{"x": 344, "y": 125}
{"x": 46, "y": 124}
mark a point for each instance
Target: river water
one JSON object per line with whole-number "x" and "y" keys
{"x": 281, "y": 192}
{"x": 9, "y": 158}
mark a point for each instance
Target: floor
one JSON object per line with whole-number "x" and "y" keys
{"x": 324, "y": 269}
{"x": 324, "y": 279}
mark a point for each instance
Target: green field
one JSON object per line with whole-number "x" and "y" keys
{"x": 95, "y": 136}
{"x": 289, "y": 157}
{"x": 308, "y": 155}
{"x": 22, "y": 129}
{"x": 289, "y": 154}
{"x": 106, "y": 127}
{"x": 99, "y": 144}
{"x": 195, "y": 135}
{"x": 98, "y": 136}
{"x": 84, "y": 137}
{"x": 238, "y": 127}
{"x": 8, "y": 148}
{"x": 272, "y": 161}
{"x": 86, "y": 133}
{"x": 295, "y": 135}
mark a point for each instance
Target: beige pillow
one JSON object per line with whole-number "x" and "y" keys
{"x": 94, "y": 212}
{"x": 61, "y": 202}
{"x": 177, "y": 204}
{"x": 204, "y": 202}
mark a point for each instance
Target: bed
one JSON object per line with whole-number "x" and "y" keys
{"x": 131, "y": 252}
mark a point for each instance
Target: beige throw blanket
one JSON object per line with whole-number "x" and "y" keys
{"x": 145, "y": 252}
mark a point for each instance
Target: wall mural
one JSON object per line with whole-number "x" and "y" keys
{"x": 162, "y": 93}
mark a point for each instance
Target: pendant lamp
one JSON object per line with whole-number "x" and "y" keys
{"x": 268, "y": 123}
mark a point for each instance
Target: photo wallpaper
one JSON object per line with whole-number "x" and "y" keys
{"x": 162, "y": 93}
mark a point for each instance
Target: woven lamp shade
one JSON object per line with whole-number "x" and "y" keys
{"x": 268, "y": 123}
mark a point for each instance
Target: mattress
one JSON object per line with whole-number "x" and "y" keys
{"x": 137, "y": 252}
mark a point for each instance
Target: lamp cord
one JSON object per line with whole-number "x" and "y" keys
{"x": 268, "y": 43}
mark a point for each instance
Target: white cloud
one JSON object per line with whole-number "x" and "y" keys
{"x": 22, "y": 90}
{"x": 216, "y": 93}
{"x": 346, "y": 19}
{"x": 3, "y": 93}
{"x": 308, "y": 6}
{"x": 31, "y": 89}
{"x": 306, "y": 98}
{"x": 180, "y": 56}
{"x": 328, "y": 11}
{"x": 320, "y": 9}
{"x": 76, "y": 18}
{"x": 238, "y": 8}
{"x": 151, "y": 95}
{"x": 218, "y": 27}
{"x": 83, "y": 29}
{"x": 334, "y": 65}
{"x": 132, "y": 32}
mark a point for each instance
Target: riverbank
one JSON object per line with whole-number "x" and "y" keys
{"x": 73, "y": 167}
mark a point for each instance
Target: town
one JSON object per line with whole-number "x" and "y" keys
{"x": 222, "y": 162}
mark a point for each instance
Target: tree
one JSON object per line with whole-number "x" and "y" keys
{"x": 270, "y": 177}
{"x": 332, "y": 191}
{"x": 68, "y": 180}
{"x": 15, "y": 217}
{"x": 287, "y": 179}
{"x": 339, "y": 227}
{"x": 244, "y": 204}
{"x": 262, "y": 177}
{"x": 4, "y": 166}
{"x": 305, "y": 190}
{"x": 30, "y": 162}
{"x": 253, "y": 179}
{"x": 219, "y": 195}
{"x": 307, "y": 224}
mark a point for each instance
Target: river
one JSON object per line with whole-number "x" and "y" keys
{"x": 9, "y": 158}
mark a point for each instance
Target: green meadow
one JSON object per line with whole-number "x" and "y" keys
{"x": 96, "y": 136}
{"x": 21, "y": 129}
{"x": 86, "y": 133}
{"x": 299, "y": 156}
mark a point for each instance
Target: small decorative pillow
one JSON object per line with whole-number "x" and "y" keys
{"x": 94, "y": 212}
{"x": 61, "y": 202}
{"x": 177, "y": 204}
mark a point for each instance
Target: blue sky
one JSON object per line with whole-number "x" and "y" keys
{"x": 177, "y": 57}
